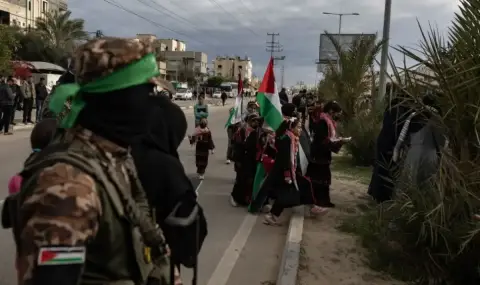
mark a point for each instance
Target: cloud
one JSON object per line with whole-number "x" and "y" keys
{"x": 239, "y": 27}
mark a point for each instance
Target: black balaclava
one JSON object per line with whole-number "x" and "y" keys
{"x": 118, "y": 116}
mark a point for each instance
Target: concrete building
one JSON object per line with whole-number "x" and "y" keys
{"x": 159, "y": 48}
{"x": 173, "y": 44}
{"x": 24, "y": 13}
{"x": 230, "y": 66}
{"x": 184, "y": 65}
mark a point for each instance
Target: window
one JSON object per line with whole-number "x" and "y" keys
{"x": 44, "y": 6}
{"x": 29, "y": 6}
{"x": 220, "y": 66}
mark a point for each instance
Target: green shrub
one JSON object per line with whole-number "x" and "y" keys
{"x": 364, "y": 130}
{"x": 427, "y": 235}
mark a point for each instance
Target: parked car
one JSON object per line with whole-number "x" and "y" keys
{"x": 183, "y": 94}
{"x": 217, "y": 94}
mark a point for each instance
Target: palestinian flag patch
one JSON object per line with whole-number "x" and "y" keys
{"x": 61, "y": 255}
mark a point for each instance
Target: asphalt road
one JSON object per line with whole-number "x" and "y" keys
{"x": 239, "y": 249}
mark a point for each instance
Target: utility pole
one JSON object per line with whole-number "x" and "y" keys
{"x": 282, "y": 69}
{"x": 273, "y": 46}
{"x": 383, "y": 62}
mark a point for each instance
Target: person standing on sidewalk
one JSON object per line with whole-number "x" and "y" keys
{"x": 17, "y": 101}
{"x": 42, "y": 93}
{"x": 28, "y": 92}
{"x": 6, "y": 105}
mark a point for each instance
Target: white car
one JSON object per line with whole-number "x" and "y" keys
{"x": 183, "y": 94}
{"x": 217, "y": 94}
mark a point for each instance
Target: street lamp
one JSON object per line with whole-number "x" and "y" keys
{"x": 382, "y": 88}
{"x": 340, "y": 16}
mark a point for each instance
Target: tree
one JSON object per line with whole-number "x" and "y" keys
{"x": 8, "y": 44}
{"x": 215, "y": 81}
{"x": 349, "y": 83}
{"x": 60, "y": 31}
{"x": 32, "y": 47}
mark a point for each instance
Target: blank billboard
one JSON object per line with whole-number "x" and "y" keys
{"x": 328, "y": 54}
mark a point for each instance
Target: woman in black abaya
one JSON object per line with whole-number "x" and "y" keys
{"x": 163, "y": 177}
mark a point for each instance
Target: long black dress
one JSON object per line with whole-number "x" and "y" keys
{"x": 286, "y": 165}
{"x": 204, "y": 144}
{"x": 245, "y": 165}
{"x": 321, "y": 158}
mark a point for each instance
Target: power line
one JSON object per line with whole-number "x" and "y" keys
{"x": 233, "y": 16}
{"x": 251, "y": 12}
{"x": 152, "y": 22}
{"x": 178, "y": 6}
{"x": 169, "y": 13}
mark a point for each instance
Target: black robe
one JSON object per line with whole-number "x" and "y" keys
{"x": 247, "y": 162}
{"x": 318, "y": 170}
{"x": 203, "y": 145}
{"x": 163, "y": 178}
{"x": 288, "y": 195}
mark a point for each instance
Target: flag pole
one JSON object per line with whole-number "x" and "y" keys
{"x": 240, "y": 91}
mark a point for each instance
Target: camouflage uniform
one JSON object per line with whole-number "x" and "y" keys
{"x": 82, "y": 215}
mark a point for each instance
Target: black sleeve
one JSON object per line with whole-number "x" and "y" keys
{"x": 60, "y": 274}
{"x": 283, "y": 159}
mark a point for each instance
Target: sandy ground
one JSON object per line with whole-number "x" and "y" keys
{"x": 331, "y": 257}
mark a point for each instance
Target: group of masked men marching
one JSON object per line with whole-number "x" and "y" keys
{"x": 287, "y": 167}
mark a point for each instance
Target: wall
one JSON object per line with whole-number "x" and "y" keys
{"x": 17, "y": 11}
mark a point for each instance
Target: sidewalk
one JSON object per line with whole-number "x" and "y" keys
{"x": 184, "y": 105}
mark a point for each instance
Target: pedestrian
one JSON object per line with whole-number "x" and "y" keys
{"x": 41, "y": 94}
{"x": 200, "y": 110}
{"x": 224, "y": 98}
{"x": 106, "y": 236}
{"x": 28, "y": 94}
{"x": 202, "y": 138}
{"x": 231, "y": 130}
{"x": 246, "y": 158}
{"x": 283, "y": 96}
{"x": 164, "y": 179}
{"x": 7, "y": 99}
{"x": 17, "y": 102}
{"x": 285, "y": 179}
{"x": 325, "y": 142}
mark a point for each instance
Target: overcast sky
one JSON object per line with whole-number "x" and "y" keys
{"x": 206, "y": 26}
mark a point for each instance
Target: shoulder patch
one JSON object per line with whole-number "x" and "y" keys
{"x": 61, "y": 255}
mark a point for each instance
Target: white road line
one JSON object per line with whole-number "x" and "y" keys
{"x": 225, "y": 267}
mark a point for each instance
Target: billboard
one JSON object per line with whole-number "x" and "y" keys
{"x": 328, "y": 54}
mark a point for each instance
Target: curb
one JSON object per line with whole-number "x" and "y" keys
{"x": 212, "y": 105}
{"x": 288, "y": 271}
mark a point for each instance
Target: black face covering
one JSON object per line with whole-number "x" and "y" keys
{"x": 118, "y": 116}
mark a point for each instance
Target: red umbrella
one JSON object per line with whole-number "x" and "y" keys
{"x": 22, "y": 69}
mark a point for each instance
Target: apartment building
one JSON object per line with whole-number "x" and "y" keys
{"x": 180, "y": 64}
{"x": 183, "y": 65}
{"x": 230, "y": 66}
{"x": 24, "y": 13}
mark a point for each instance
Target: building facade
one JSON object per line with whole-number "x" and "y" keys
{"x": 24, "y": 13}
{"x": 230, "y": 67}
{"x": 185, "y": 65}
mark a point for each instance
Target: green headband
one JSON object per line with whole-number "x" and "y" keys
{"x": 136, "y": 73}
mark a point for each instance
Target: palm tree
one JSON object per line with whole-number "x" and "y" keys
{"x": 351, "y": 77}
{"x": 60, "y": 31}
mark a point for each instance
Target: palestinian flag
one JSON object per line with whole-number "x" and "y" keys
{"x": 271, "y": 111}
{"x": 61, "y": 256}
{"x": 236, "y": 113}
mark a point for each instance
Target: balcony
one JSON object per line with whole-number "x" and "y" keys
{"x": 62, "y": 6}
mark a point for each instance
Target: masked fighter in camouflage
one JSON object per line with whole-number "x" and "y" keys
{"x": 78, "y": 221}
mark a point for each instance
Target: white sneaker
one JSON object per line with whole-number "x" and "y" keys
{"x": 201, "y": 177}
{"x": 270, "y": 220}
{"x": 232, "y": 202}
{"x": 228, "y": 161}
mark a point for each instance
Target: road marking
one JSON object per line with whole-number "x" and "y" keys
{"x": 230, "y": 257}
